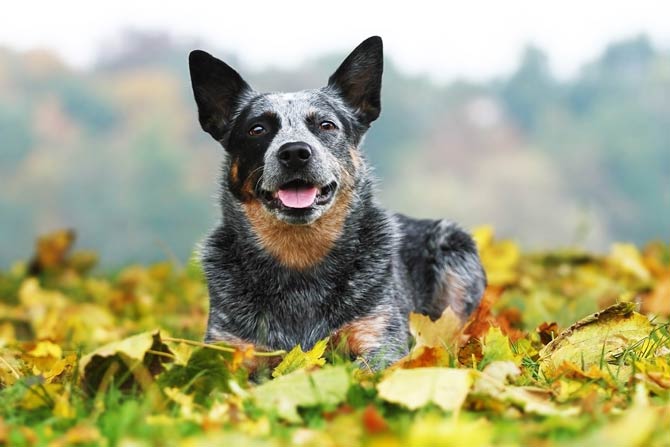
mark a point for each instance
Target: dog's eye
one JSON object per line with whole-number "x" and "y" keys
{"x": 327, "y": 125}
{"x": 257, "y": 130}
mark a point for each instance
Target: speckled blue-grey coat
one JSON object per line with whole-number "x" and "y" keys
{"x": 303, "y": 249}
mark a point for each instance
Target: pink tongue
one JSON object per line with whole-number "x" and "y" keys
{"x": 301, "y": 197}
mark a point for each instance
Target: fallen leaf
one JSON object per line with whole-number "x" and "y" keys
{"x": 658, "y": 300}
{"x": 470, "y": 354}
{"x": 242, "y": 353}
{"x": 632, "y": 428}
{"x": 627, "y": 258}
{"x": 435, "y": 431}
{"x": 481, "y": 319}
{"x": 424, "y": 356}
{"x": 495, "y": 347}
{"x": 655, "y": 373}
{"x": 595, "y": 339}
{"x": 298, "y": 359}
{"x": 129, "y": 355}
{"x": 41, "y": 395}
{"x": 442, "y": 332}
{"x": 499, "y": 258}
{"x": 373, "y": 421}
{"x": 51, "y": 250}
{"x": 301, "y": 388}
{"x": 416, "y": 388}
{"x": 547, "y": 332}
{"x": 493, "y": 382}
{"x": 79, "y": 434}
{"x": 206, "y": 372}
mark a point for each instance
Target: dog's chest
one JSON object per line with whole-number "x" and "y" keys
{"x": 282, "y": 312}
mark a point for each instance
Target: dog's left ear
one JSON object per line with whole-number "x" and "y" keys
{"x": 359, "y": 79}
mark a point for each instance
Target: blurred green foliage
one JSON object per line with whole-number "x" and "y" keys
{"x": 116, "y": 152}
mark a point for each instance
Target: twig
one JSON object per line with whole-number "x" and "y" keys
{"x": 160, "y": 353}
{"x": 221, "y": 348}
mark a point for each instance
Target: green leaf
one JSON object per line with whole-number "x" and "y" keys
{"x": 496, "y": 347}
{"x": 298, "y": 359}
{"x": 327, "y": 386}
{"x": 206, "y": 371}
{"x": 416, "y": 388}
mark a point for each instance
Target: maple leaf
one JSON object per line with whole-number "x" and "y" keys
{"x": 298, "y": 359}
{"x": 442, "y": 332}
{"x": 495, "y": 347}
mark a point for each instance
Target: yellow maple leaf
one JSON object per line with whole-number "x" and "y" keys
{"x": 439, "y": 333}
{"x": 298, "y": 359}
{"x": 500, "y": 258}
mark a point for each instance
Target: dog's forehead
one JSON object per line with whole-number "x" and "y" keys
{"x": 292, "y": 103}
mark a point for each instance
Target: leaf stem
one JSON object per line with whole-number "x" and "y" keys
{"x": 220, "y": 348}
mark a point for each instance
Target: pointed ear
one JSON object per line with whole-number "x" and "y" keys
{"x": 218, "y": 90}
{"x": 359, "y": 79}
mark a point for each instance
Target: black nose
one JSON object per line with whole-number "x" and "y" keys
{"x": 294, "y": 155}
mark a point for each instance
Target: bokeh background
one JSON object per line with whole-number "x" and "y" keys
{"x": 551, "y": 123}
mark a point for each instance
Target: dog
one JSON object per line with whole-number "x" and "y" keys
{"x": 303, "y": 250}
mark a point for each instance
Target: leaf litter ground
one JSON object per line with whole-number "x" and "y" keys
{"x": 566, "y": 348}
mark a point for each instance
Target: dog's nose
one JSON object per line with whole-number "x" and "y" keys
{"x": 294, "y": 155}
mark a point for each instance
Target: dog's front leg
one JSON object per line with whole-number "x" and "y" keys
{"x": 375, "y": 340}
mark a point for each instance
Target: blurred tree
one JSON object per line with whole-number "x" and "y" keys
{"x": 17, "y": 137}
{"x": 530, "y": 89}
{"x": 116, "y": 152}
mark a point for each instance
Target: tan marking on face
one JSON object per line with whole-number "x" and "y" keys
{"x": 247, "y": 190}
{"x": 234, "y": 174}
{"x": 301, "y": 246}
{"x": 362, "y": 335}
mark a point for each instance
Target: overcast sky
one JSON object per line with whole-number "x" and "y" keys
{"x": 446, "y": 39}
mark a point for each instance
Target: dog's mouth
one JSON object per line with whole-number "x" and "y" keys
{"x": 299, "y": 195}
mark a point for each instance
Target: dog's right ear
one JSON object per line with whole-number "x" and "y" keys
{"x": 359, "y": 79}
{"x": 218, "y": 90}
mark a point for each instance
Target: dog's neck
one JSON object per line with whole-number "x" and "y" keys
{"x": 301, "y": 247}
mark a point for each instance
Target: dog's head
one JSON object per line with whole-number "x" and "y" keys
{"x": 291, "y": 152}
